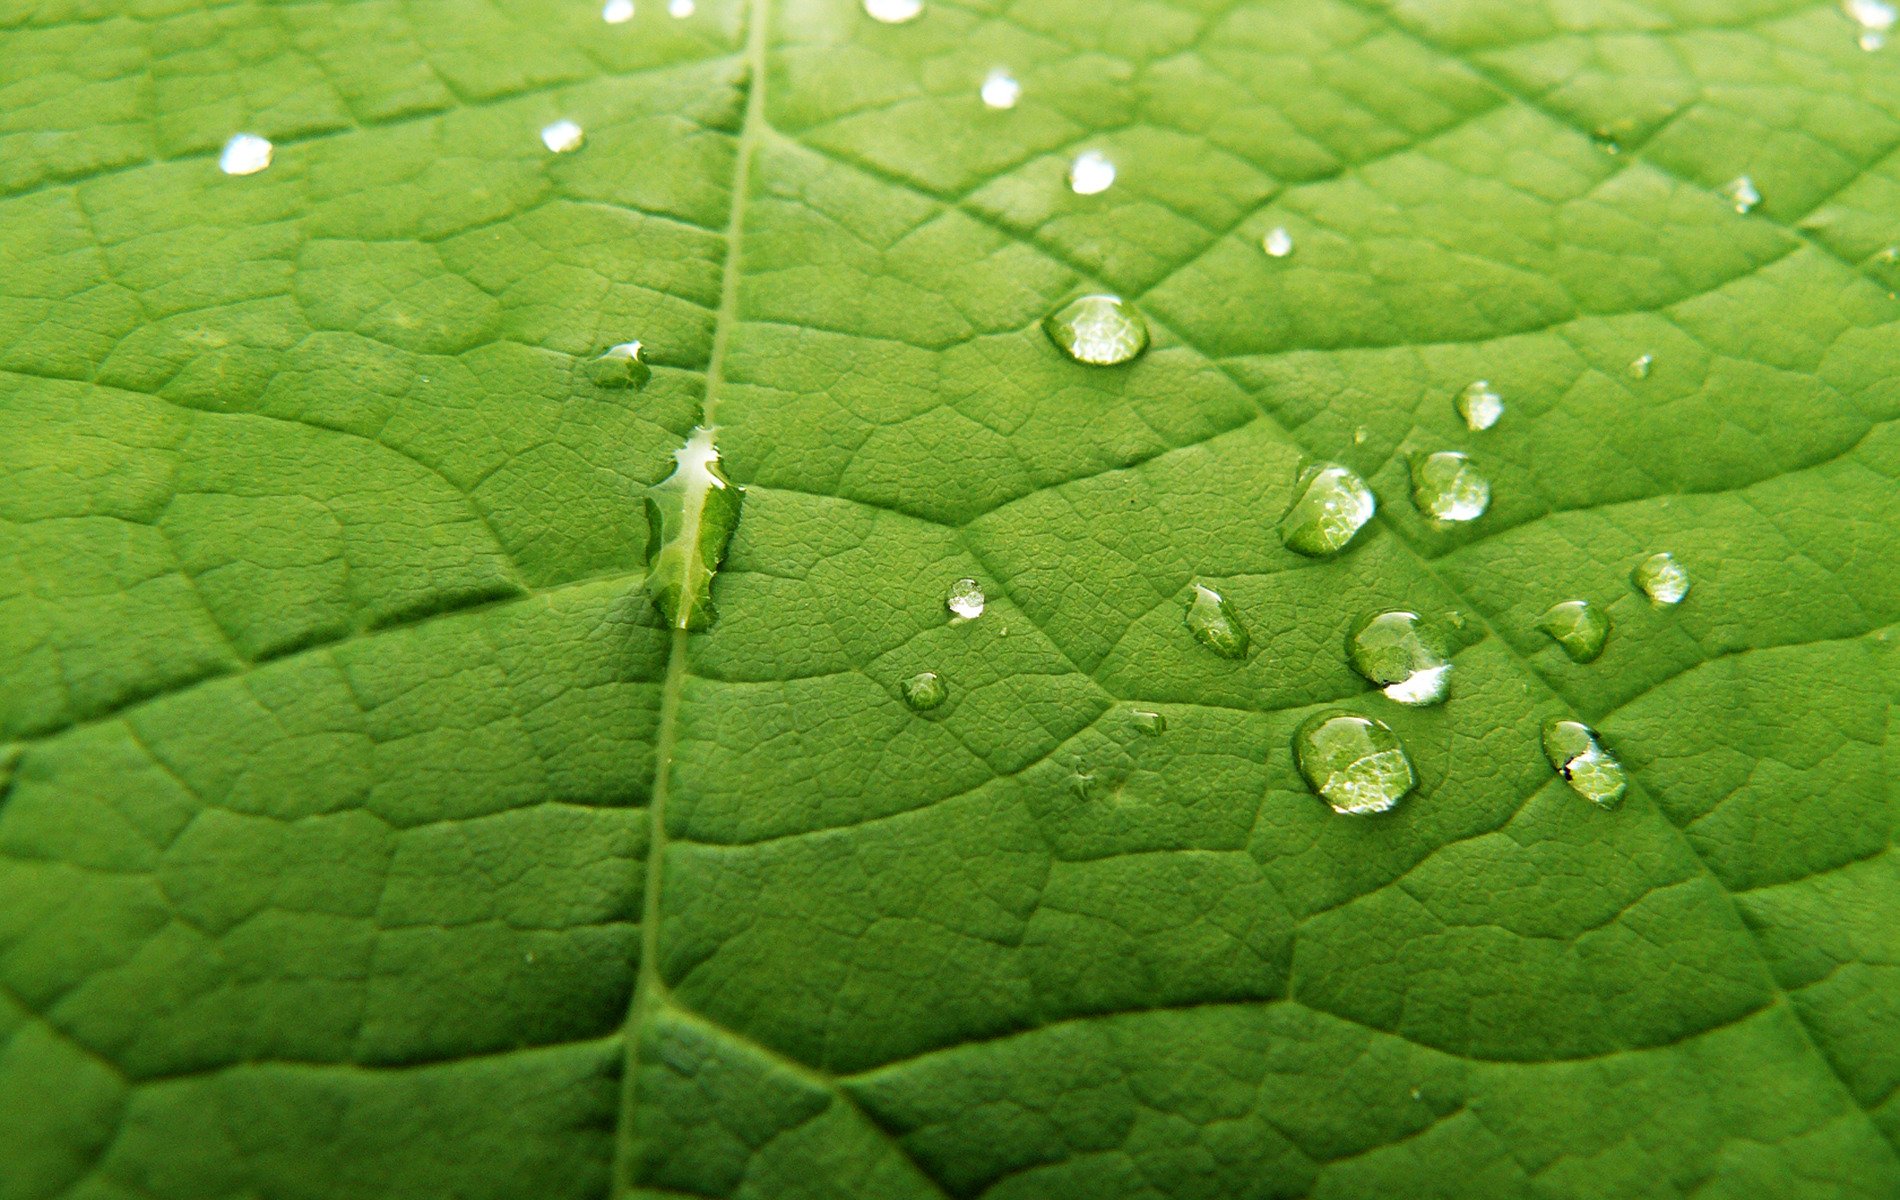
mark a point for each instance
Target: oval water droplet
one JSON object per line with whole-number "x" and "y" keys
{"x": 1331, "y": 503}
{"x": 1000, "y": 89}
{"x": 924, "y": 691}
{"x": 1403, "y": 655}
{"x": 1447, "y": 488}
{"x": 620, "y": 367}
{"x": 1578, "y": 626}
{"x": 1214, "y": 623}
{"x": 965, "y": 599}
{"x": 1480, "y": 405}
{"x": 1356, "y": 764}
{"x": 1662, "y": 578}
{"x": 245, "y": 154}
{"x": 1590, "y": 770}
{"x": 894, "y": 12}
{"x": 1875, "y": 18}
{"x": 1278, "y": 243}
{"x": 1640, "y": 366}
{"x": 1741, "y": 193}
{"x": 1090, "y": 173}
{"x": 1149, "y": 722}
{"x": 617, "y": 12}
{"x": 690, "y": 518}
{"x": 562, "y": 137}
{"x": 1101, "y": 330}
{"x": 679, "y": 10}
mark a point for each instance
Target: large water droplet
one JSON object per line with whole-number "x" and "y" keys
{"x": 562, "y": 137}
{"x": 1000, "y": 89}
{"x": 1447, "y": 488}
{"x": 1330, "y": 504}
{"x": 620, "y": 367}
{"x": 245, "y": 154}
{"x": 1091, "y": 173}
{"x": 924, "y": 691}
{"x": 1480, "y": 405}
{"x": 1590, "y": 770}
{"x": 617, "y": 12}
{"x": 1578, "y": 626}
{"x": 690, "y": 517}
{"x": 1875, "y": 18}
{"x": 894, "y": 12}
{"x": 1099, "y": 330}
{"x": 1662, "y": 578}
{"x": 1403, "y": 655}
{"x": 1356, "y": 764}
{"x": 965, "y": 599}
{"x": 1278, "y": 242}
{"x": 679, "y": 10}
{"x": 1148, "y": 722}
{"x": 1214, "y": 623}
{"x": 1741, "y": 193}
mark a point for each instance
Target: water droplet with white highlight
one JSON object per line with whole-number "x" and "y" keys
{"x": 1091, "y": 173}
{"x": 562, "y": 137}
{"x": 617, "y": 12}
{"x": 1000, "y": 89}
{"x": 1741, "y": 193}
{"x": 245, "y": 154}
{"x": 1278, "y": 243}
{"x": 894, "y": 12}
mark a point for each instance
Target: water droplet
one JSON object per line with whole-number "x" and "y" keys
{"x": 1402, "y": 655}
{"x": 1480, "y": 405}
{"x": 1640, "y": 366}
{"x": 1590, "y": 770}
{"x": 1099, "y": 330}
{"x": 1606, "y": 141}
{"x": 1741, "y": 193}
{"x": 1278, "y": 242}
{"x": 1356, "y": 764}
{"x": 620, "y": 367}
{"x": 617, "y": 12}
{"x": 1091, "y": 173}
{"x": 245, "y": 154}
{"x": 1081, "y": 782}
{"x": 1331, "y": 504}
{"x": 1214, "y": 623}
{"x": 1661, "y": 578}
{"x": 1447, "y": 488}
{"x": 965, "y": 599}
{"x": 1456, "y": 619}
{"x": 1360, "y": 434}
{"x": 679, "y": 10}
{"x": 1000, "y": 89}
{"x": 690, "y": 517}
{"x": 562, "y": 137}
{"x": 894, "y": 12}
{"x": 1578, "y": 626}
{"x": 1875, "y": 18}
{"x": 1151, "y": 723}
{"x": 924, "y": 691}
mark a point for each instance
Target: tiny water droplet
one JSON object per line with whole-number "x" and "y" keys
{"x": 1360, "y": 434}
{"x": 1661, "y": 578}
{"x": 1000, "y": 89}
{"x": 1480, "y": 405}
{"x": 679, "y": 10}
{"x": 1606, "y": 140}
{"x": 617, "y": 12}
{"x": 620, "y": 367}
{"x": 1091, "y": 173}
{"x": 965, "y": 599}
{"x": 1741, "y": 193}
{"x": 1331, "y": 503}
{"x": 1146, "y": 721}
{"x": 924, "y": 691}
{"x": 245, "y": 154}
{"x": 1578, "y": 626}
{"x": 1447, "y": 488}
{"x": 1590, "y": 770}
{"x": 1278, "y": 242}
{"x": 1403, "y": 655}
{"x": 894, "y": 12}
{"x": 1214, "y": 623}
{"x": 1640, "y": 366}
{"x": 1100, "y": 330}
{"x": 562, "y": 137}
{"x": 1356, "y": 764}
{"x": 1418, "y": 1093}
{"x": 1456, "y": 619}
{"x": 1875, "y": 18}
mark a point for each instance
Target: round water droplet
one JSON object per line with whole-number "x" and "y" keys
{"x": 617, "y": 12}
{"x": 245, "y": 154}
{"x": 1403, "y": 655}
{"x": 1148, "y": 722}
{"x": 1480, "y": 406}
{"x": 1661, "y": 578}
{"x": 1214, "y": 623}
{"x": 965, "y": 599}
{"x": 1356, "y": 764}
{"x": 1447, "y": 488}
{"x": 1278, "y": 242}
{"x": 620, "y": 367}
{"x": 679, "y": 10}
{"x": 1330, "y": 504}
{"x": 1590, "y": 770}
{"x": 1578, "y": 626}
{"x": 1741, "y": 193}
{"x": 1091, "y": 173}
{"x": 1099, "y": 330}
{"x": 1000, "y": 89}
{"x": 1640, "y": 366}
{"x": 562, "y": 137}
{"x": 924, "y": 691}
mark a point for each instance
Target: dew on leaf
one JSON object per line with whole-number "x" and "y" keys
{"x": 690, "y": 518}
{"x": 1401, "y": 654}
{"x": 1590, "y": 770}
{"x": 1875, "y": 18}
{"x": 617, "y": 12}
{"x": 1090, "y": 173}
{"x": 1278, "y": 243}
{"x": 1480, "y": 405}
{"x": 1098, "y": 330}
{"x": 245, "y": 154}
{"x": 1148, "y": 722}
{"x": 1213, "y": 622}
{"x": 1579, "y": 627}
{"x": 1661, "y": 578}
{"x": 894, "y": 12}
{"x": 561, "y": 137}
{"x": 1360, "y": 434}
{"x": 1447, "y": 488}
{"x": 1741, "y": 193}
{"x": 1356, "y": 764}
{"x": 1000, "y": 89}
{"x": 620, "y": 367}
{"x": 924, "y": 691}
{"x": 1331, "y": 503}
{"x": 1606, "y": 140}
{"x": 965, "y": 599}
{"x": 1640, "y": 366}
{"x": 679, "y": 10}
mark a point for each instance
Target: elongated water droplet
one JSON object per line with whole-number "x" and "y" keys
{"x": 1000, "y": 89}
{"x": 1278, "y": 243}
{"x": 1403, "y": 655}
{"x": 1578, "y": 626}
{"x": 690, "y": 517}
{"x": 924, "y": 691}
{"x": 1640, "y": 366}
{"x": 1099, "y": 330}
{"x": 1662, "y": 578}
{"x": 1214, "y": 623}
{"x": 1330, "y": 504}
{"x": 617, "y": 12}
{"x": 1590, "y": 770}
{"x": 245, "y": 154}
{"x": 620, "y": 367}
{"x": 1091, "y": 173}
{"x": 562, "y": 137}
{"x": 1875, "y": 18}
{"x": 1480, "y": 405}
{"x": 1447, "y": 488}
{"x": 965, "y": 599}
{"x": 1148, "y": 722}
{"x": 1741, "y": 193}
{"x": 1356, "y": 764}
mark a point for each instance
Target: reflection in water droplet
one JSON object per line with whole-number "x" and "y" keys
{"x": 1480, "y": 405}
{"x": 1578, "y": 626}
{"x": 245, "y": 154}
{"x": 1662, "y": 578}
{"x": 617, "y": 12}
{"x": 562, "y": 137}
{"x": 1098, "y": 330}
{"x": 1091, "y": 173}
{"x": 1278, "y": 242}
{"x": 1590, "y": 770}
{"x": 1214, "y": 623}
{"x": 1875, "y": 18}
{"x": 1403, "y": 655}
{"x": 1741, "y": 193}
{"x": 894, "y": 12}
{"x": 965, "y": 599}
{"x": 679, "y": 10}
{"x": 620, "y": 367}
{"x": 1000, "y": 89}
{"x": 1641, "y": 364}
{"x": 690, "y": 518}
{"x": 1151, "y": 723}
{"x": 924, "y": 691}
{"x": 1447, "y": 488}
{"x": 1356, "y": 764}
{"x": 1330, "y": 504}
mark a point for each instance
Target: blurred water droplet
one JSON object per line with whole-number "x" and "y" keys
{"x": 620, "y": 367}
{"x": 1578, "y": 626}
{"x": 965, "y": 599}
{"x": 1403, "y": 655}
{"x": 1590, "y": 770}
{"x": 894, "y": 12}
{"x": 924, "y": 691}
{"x": 1146, "y": 721}
{"x": 1356, "y": 764}
{"x": 1640, "y": 366}
{"x": 1278, "y": 242}
{"x": 1360, "y": 434}
{"x": 1606, "y": 141}
{"x": 1331, "y": 503}
{"x": 1091, "y": 173}
{"x": 679, "y": 10}
{"x": 1662, "y": 578}
{"x": 1098, "y": 330}
{"x": 617, "y": 12}
{"x": 1875, "y": 18}
{"x": 562, "y": 137}
{"x": 1447, "y": 488}
{"x": 1214, "y": 623}
{"x": 1480, "y": 405}
{"x": 1000, "y": 89}
{"x": 1741, "y": 193}
{"x": 245, "y": 154}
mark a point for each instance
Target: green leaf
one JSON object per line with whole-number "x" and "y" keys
{"x": 367, "y": 830}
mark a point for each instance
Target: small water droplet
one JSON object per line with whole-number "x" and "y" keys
{"x": 1278, "y": 242}
{"x": 965, "y": 599}
{"x": 562, "y": 137}
{"x": 1098, "y": 330}
{"x": 1418, "y": 1093}
{"x": 1081, "y": 782}
{"x": 894, "y": 12}
{"x": 1640, "y": 366}
{"x": 1447, "y": 488}
{"x": 1875, "y": 18}
{"x": 1606, "y": 140}
{"x": 1356, "y": 764}
{"x": 924, "y": 691}
{"x": 1360, "y": 434}
{"x": 1148, "y": 722}
{"x": 617, "y": 12}
{"x": 1456, "y": 619}
{"x": 1000, "y": 89}
{"x": 1480, "y": 405}
{"x": 1590, "y": 770}
{"x": 1661, "y": 578}
{"x": 1578, "y": 626}
{"x": 1331, "y": 503}
{"x": 1403, "y": 655}
{"x": 620, "y": 367}
{"x": 1091, "y": 173}
{"x": 245, "y": 154}
{"x": 1214, "y": 623}
{"x": 679, "y": 10}
{"x": 1741, "y": 193}
{"x": 690, "y": 518}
